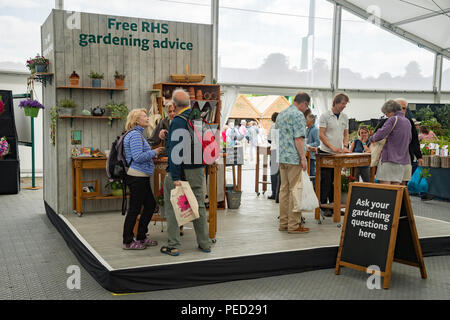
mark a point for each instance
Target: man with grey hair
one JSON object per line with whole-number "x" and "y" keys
{"x": 190, "y": 172}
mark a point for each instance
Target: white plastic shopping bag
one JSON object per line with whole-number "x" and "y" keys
{"x": 184, "y": 204}
{"x": 309, "y": 198}
{"x": 304, "y": 196}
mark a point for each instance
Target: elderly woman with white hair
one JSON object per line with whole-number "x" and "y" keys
{"x": 395, "y": 154}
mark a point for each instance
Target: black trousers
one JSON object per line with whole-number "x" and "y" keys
{"x": 326, "y": 184}
{"x": 140, "y": 195}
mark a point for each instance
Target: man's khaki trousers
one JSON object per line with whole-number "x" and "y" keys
{"x": 290, "y": 175}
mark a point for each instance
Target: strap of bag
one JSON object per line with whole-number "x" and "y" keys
{"x": 396, "y": 118}
{"x": 124, "y": 197}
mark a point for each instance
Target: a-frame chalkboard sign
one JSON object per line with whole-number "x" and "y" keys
{"x": 378, "y": 229}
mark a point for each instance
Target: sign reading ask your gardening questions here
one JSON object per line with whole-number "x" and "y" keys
{"x": 131, "y": 40}
{"x": 379, "y": 228}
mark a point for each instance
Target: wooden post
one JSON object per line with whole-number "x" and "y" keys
{"x": 318, "y": 169}
{"x": 257, "y": 172}
{"x": 337, "y": 192}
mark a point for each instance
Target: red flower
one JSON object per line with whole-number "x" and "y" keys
{"x": 2, "y": 107}
{"x": 183, "y": 203}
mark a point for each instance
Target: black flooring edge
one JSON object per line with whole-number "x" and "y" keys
{"x": 191, "y": 274}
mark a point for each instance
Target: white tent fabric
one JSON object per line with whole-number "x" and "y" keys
{"x": 426, "y": 19}
{"x": 230, "y": 94}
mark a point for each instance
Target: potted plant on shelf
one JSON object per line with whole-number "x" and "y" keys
{"x": 120, "y": 79}
{"x": 65, "y": 107}
{"x": 116, "y": 187}
{"x": 116, "y": 110}
{"x": 38, "y": 64}
{"x": 74, "y": 79}
{"x": 4, "y": 148}
{"x": 31, "y": 107}
{"x": 96, "y": 79}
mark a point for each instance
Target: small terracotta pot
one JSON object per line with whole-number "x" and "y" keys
{"x": 74, "y": 82}
{"x": 119, "y": 83}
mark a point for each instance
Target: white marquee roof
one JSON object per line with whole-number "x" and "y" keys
{"x": 426, "y": 22}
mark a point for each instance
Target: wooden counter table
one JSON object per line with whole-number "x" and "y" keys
{"x": 338, "y": 161}
{"x": 78, "y": 165}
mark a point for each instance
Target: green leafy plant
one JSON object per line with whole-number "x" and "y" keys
{"x": 345, "y": 182}
{"x": 95, "y": 75}
{"x": 434, "y": 126}
{"x": 67, "y": 103}
{"x": 117, "y": 110}
{"x": 425, "y": 173}
{"x": 424, "y": 114}
{"x": 119, "y": 76}
{"x": 426, "y": 151}
{"x": 443, "y": 116}
{"x": 53, "y": 117}
{"x": 114, "y": 185}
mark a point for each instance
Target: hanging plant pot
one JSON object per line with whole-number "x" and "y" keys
{"x": 31, "y": 112}
{"x": 41, "y": 68}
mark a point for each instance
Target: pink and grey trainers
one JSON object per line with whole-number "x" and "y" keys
{"x": 135, "y": 245}
{"x": 148, "y": 242}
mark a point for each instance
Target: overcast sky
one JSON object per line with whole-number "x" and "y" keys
{"x": 246, "y": 37}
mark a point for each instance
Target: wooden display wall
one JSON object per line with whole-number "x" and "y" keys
{"x": 62, "y": 42}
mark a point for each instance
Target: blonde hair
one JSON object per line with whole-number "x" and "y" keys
{"x": 132, "y": 118}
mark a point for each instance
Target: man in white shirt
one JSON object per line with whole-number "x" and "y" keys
{"x": 333, "y": 135}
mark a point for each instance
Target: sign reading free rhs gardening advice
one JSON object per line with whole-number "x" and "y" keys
{"x": 131, "y": 40}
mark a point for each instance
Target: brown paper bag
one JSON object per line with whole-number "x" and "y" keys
{"x": 184, "y": 204}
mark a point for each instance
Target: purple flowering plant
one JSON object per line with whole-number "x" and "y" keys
{"x": 30, "y": 104}
{"x": 4, "y": 147}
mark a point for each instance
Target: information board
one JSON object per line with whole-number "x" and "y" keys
{"x": 378, "y": 229}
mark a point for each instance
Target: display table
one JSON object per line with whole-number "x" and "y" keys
{"x": 439, "y": 182}
{"x": 78, "y": 165}
{"x": 338, "y": 161}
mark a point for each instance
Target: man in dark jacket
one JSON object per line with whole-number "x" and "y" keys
{"x": 414, "y": 145}
{"x": 180, "y": 168}
{"x": 159, "y": 135}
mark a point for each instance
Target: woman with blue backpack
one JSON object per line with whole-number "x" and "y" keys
{"x": 139, "y": 157}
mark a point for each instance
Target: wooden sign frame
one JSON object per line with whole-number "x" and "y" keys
{"x": 402, "y": 201}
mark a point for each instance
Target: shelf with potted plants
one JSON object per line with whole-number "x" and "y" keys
{"x": 115, "y": 112}
{"x": 95, "y": 85}
{"x": 38, "y": 67}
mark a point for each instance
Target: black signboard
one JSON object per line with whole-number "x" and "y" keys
{"x": 379, "y": 228}
{"x": 9, "y": 165}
